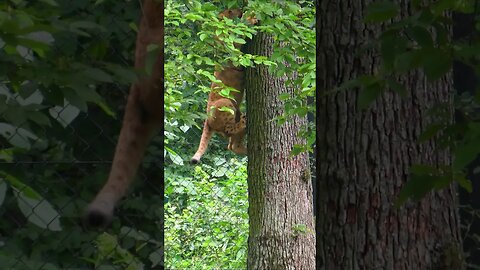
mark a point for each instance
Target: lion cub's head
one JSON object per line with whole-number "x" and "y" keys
{"x": 231, "y": 13}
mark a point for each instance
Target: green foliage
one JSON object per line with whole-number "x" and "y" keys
{"x": 206, "y": 222}
{"x": 381, "y": 11}
{"x": 425, "y": 178}
{"x": 50, "y": 66}
{"x": 422, "y": 42}
{"x": 192, "y": 54}
{"x": 36, "y": 209}
{"x": 292, "y": 25}
{"x": 64, "y": 73}
{"x": 110, "y": 249}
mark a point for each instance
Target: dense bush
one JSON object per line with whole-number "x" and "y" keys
{"x": 206, "y": 220}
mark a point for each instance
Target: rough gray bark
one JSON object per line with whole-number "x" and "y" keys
{"x": 364, "y": 159}
{"x": 280, "y": 189}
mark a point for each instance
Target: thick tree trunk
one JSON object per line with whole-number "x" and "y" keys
{"x": 364, "y": 159}
{"x": 280, "y": 189}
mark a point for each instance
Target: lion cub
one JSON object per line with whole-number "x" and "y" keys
{"x": 219, "y": 120}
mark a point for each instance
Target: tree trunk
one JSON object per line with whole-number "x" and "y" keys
{"x": 279, "y": 186}
{"x": 364, "y": 159}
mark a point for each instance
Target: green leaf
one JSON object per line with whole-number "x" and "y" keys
{"x": 466, "y": 153}
{"x": 209, "y": 75}
{"x": 226, "y": 109}
{"x": 397, "y": 87}
{"x": 73, "y": 98}
{"x": 431, "y": 131}
{"x": 97, "y": 74}
{"x": 284, "y": 96}
{"x": 38, "y": 211}
{"x": 245, "y": 62}
{"x": 38, "y": 46}
{"x": 39, "y": 117}
{"x": 220, "y": 172}
{"x": 225, "y": 92}
{"x": 193, "y": 17}
{"x": 436, "y": 63}
{"x": 220, "y": 161}
{"x": 421, "y": 35}
{"x": 425, "y": 178}
{"x": 125, "y": 74}
{"x": 392, "y": 44}
{"x": 301, "y": 111}
{"x": 442, "y": 34}
{"x": 7, "y": 154}
{"x": 85, "y": 25}
{"x": 15, "y": 115}
{"x": 416, "y": 188}
{"x": 381, "y": 11}
{"x": 407, "y": 61}
{"x": 64, "y": 115}
{"x": 422, "y": 169}
{"x": 297, "y": 149}
{"x": 156, "y": 258}
{"x": 464, "y": 183}
{"x": 368, "y": 94}
{"x": 239, "y": 40}
{"x": 174, "y": 157}
{"x": 133, "y": 233}
{"x": 16, "y": 136}
{"x": 19, "y": 185}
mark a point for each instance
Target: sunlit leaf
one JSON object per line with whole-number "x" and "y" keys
{"x": 39, "y": 212}
{"x": 64, "y": 115}
{"x": 16, "y": 136}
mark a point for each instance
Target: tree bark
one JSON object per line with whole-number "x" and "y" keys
{"x": 280, "y": 190}
{"x": 365, "y": 155}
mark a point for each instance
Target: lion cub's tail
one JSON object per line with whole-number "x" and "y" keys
{"x": 143, "y": 115}
{"x": 202, "y": 147}
{"x": 132, "y": 142}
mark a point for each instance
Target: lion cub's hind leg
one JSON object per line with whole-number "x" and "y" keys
{"x": 237, "y": 134}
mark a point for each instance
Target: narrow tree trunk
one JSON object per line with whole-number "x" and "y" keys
{"x": 364, "y": 159}
{"x": 280, "y": 189}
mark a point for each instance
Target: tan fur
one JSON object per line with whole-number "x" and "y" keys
{"x": 225, "y": 123}
{"x": 143, "y": 116}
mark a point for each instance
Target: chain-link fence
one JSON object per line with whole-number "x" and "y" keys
{"x": 55, "y": 154}
{"x": 206, "y": 211}
{"x": 42, "y": 204}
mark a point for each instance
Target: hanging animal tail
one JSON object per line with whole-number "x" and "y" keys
{"x": 143, "y": 116}
{"x": 202, "y": 147}
{"x": 132, "y": 142}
